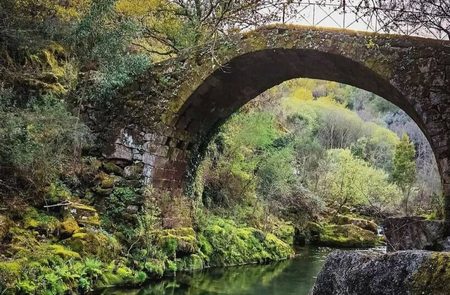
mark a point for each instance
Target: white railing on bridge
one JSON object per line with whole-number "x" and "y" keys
{"x": 334, "y": 14}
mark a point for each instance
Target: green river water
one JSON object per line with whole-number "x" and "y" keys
{"x": 293, "y": 276}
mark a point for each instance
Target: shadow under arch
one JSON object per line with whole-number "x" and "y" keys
{"x": 245, "y": 77}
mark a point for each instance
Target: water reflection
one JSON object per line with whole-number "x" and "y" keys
{"x": 294, "y": 276}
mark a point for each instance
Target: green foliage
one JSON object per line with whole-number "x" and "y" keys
{"x": 233, "y": 245}
{"x": 35, "y": 220}
{"x": 351, "y": 181}
{"x": 39, "y": 140}
{"x": 128, "y": 229}
{"x": 405, "y": 168}
{"x": 102, "y": 38}
{"x": 404, "y": 165}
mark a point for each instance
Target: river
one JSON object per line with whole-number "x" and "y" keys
{"x": 293, "y": 276}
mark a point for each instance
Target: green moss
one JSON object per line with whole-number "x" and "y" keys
{"x": 171, "y": 266}
{"x": 233, "y": 245}
{"x": 190, "y": 263}
{"x": 84, "y": 214}
{"x": 285, "y": 232}
{"x": 39, "y": 221}
{"x": 346, "y": 236}
{"x": 69, "y": 226}
{"x": 205, "y": 246}
{"x": 57, "y": 192}
{"x": 108, "y": 180}
{"x": 9, "y": 273}
{"x": 110, "y": 167}
{"x": 155, "y": 267}
{"x": 63, "y": 252}
{"x": 433, "y": 277}
{"x": 179, "y": 242}
{"x": 360, "y": 222}
{"x": 94, "y": 243}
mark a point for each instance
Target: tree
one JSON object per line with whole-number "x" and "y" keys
{"x": 404, "y": 174}
{"x": 430, "y": 14}
{"x": 351, "y": 181}
{"x": 170, "y": 26}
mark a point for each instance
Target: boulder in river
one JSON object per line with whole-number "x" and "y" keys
{"x": 370, "y": 273}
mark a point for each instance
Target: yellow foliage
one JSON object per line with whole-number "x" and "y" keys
{"x": 139, "y": 8}
{"x": 63, "y": 10}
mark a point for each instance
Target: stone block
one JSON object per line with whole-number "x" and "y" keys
{"x": 121, "y": 153}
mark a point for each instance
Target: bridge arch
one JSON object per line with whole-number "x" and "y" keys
{"x": 168, "y": 125}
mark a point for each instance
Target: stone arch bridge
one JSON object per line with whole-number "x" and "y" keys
{"x": 162, "y": 118}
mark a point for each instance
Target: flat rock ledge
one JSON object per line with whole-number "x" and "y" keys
{"x": 397, "y": 273}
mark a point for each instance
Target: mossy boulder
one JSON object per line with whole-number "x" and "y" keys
{"x": 108, "y": 181}
{"x": 93, "y": 243}
{"x": 179, "y": 242}
{"x": 433, "y": 277}
{"x": 230, "y": 244}
{"x": 63, "y": 252}
{"x": 285, "y": 232}
{"x": 41, "y": 222}
{"x": 359, "y": 222}
{"x": 57, "y": 192}
{"x": 84, "y": 214}
{"x": 346, "y": 236}
{"x": 69, "y": 226}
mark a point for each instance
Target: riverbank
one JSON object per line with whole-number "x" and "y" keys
{"x": 46, "y": 259}
{"x": 43, "y": 254}
{"x": 293, "y": 276}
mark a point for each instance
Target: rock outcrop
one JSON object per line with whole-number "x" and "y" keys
{"x": 370, "y": 273}
{"x": 414, "y": 233}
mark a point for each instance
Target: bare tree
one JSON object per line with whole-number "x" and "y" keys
{"x": 393, "y": 14}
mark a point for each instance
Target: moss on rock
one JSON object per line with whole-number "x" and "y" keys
{"x": 69, "y": 226}
{"x": 179, "y": 242}
{"x": 40, "y": 221}
{"x": 84, "y": 214}
{"x": 346, "y": 236}
{"x": 94, "y": 243}
{"x": 111, "y": 167}
{"x": 285, "y": 232}
{"x": 359, "y": 222}
{"x": 433, "y": 277}
{"x": 233, "y": 245}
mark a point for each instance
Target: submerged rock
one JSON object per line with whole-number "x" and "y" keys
{"x": 399, "y": 273}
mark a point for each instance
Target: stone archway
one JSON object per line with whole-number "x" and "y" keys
{"x": 170, "y": 109}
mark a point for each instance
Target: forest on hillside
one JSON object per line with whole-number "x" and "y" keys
{"x": 305, "y": 162}
{"x": 307, "y": 146}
